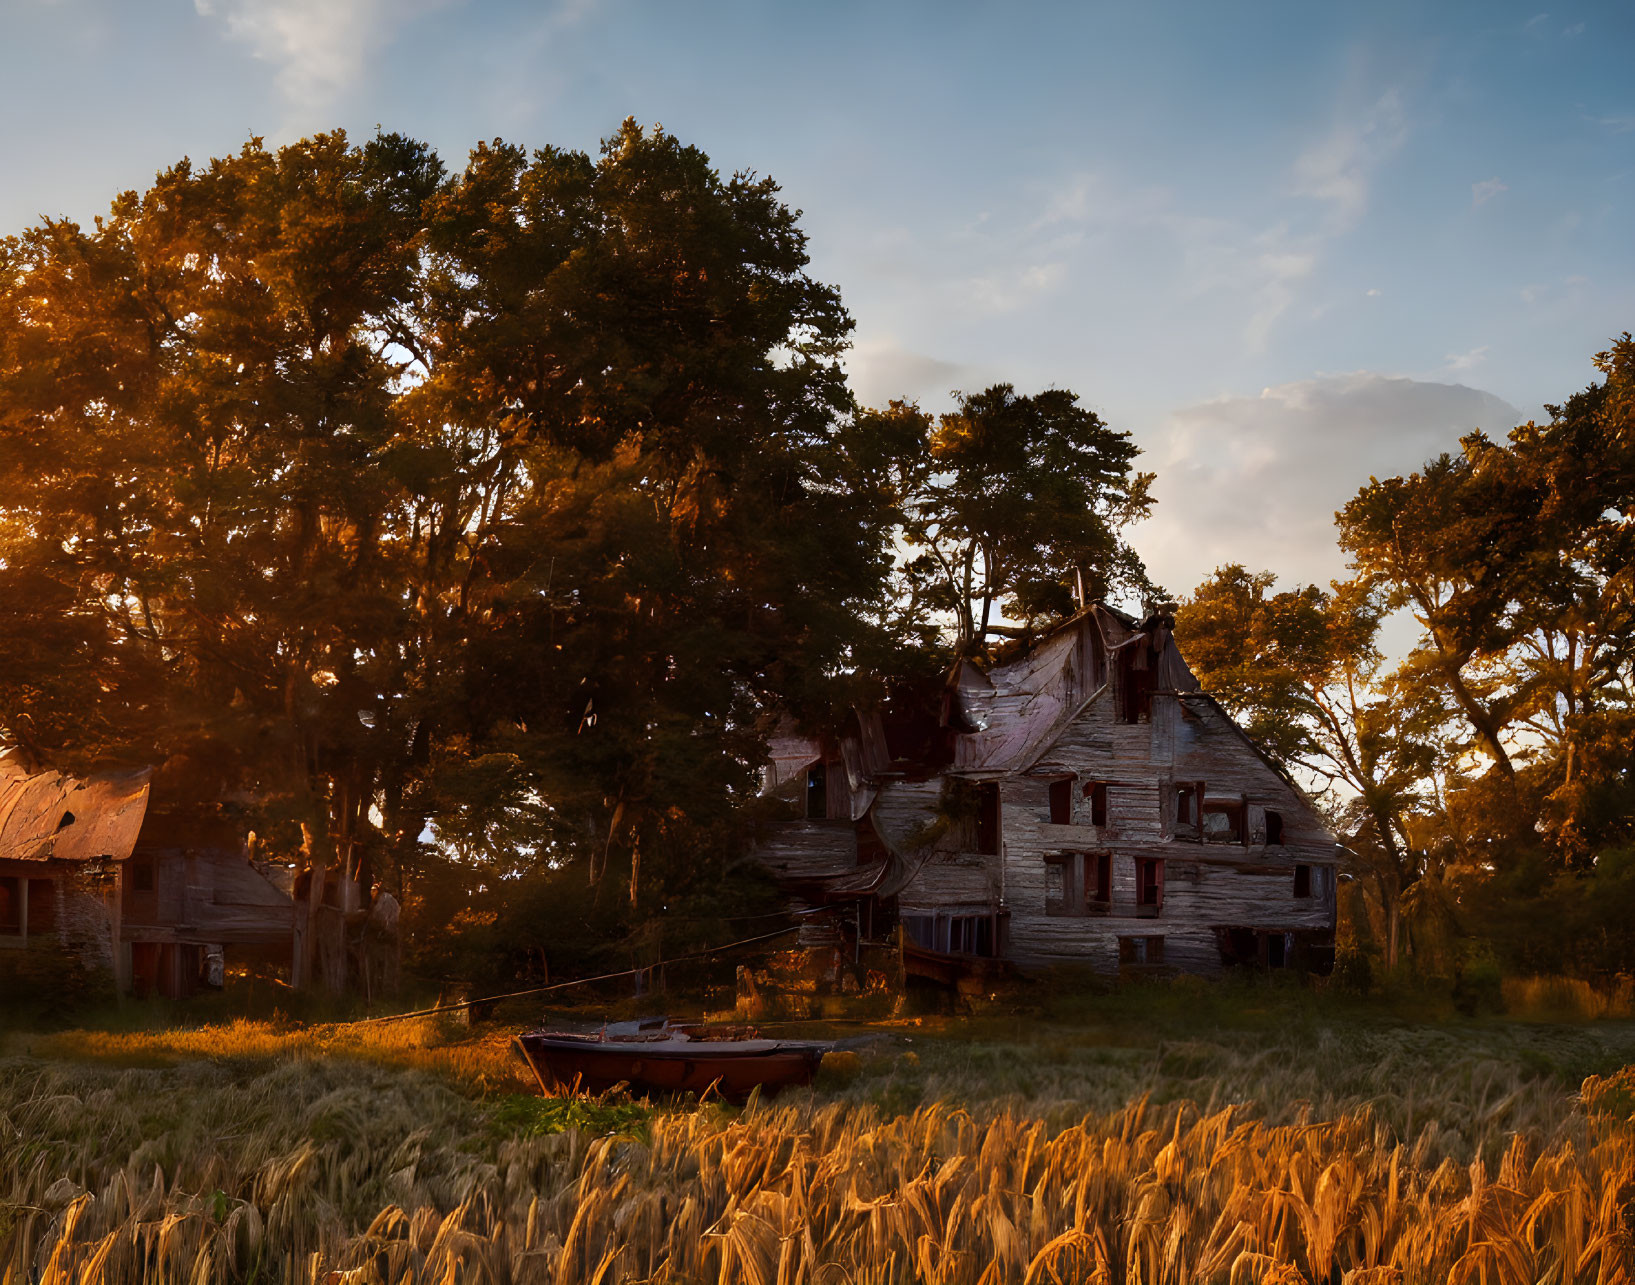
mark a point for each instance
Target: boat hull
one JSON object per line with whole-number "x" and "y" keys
{"x": 564, "y": 1063}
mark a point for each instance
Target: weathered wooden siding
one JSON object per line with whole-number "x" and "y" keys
{"x": 810, "y": 849}
{"x": 1205, "y": 884}
{"x": 206, "y": 896}
{"x": 947, "y": 873}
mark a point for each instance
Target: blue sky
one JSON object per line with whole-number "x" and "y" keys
{"x": 1285, "y": 245}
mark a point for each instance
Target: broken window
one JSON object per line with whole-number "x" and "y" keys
{"x": 1277, "y": 949}
{"x": 1061, "y": 802}
{"x": 1135, "y": 684}
{"x": 1140, "y": 950}
{"x": 141, "y": 874}
{"x": 1274, "y": 827}
{"x": 1096, "y": 792}
{"x": 987, "y": 818}
{"x": 1098, "y": 882}
{"x": 1302, "y": 881}
{"x": 1149, "y": 885}
{"x": 1188, "y": 809}
{"x": 1056, "y": 893}
{"x": 1078, "y": 883}
{"x": 1223, "y": 821}
{"x": 817, "y": 791}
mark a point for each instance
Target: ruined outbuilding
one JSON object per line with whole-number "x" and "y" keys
{"x": 1081, "y": 801}
{"x": 159, "y": 898}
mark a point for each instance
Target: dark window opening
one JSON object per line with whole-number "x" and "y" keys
{"x": 817, "y": 792}
{"x": 1140, "y": 950}
{"x": 1136, "y": 687}
{"x": 1302, "y": 881}
{"x": 1223, "y": 822}
{"x": 970, "y": 935}
{"x": 1277, "y": 952}
{"x": 42, "y": 907}
{"x": 1078, "y": 883}
{"x": 11, "y": 907}
{"x": 1061, "y": 803}
{"x": 1096, "y": 792}
{"x": 1056, "y": 889}
{"x": 142, "y": 874}
{"x": 1149, "y": 885}
{"x": 987, "y": 818}
{"x": 952, "y": 934}
{"x": 1274, "y": 827}
{"x": 1098, "y": 881}
{"x": 1189, "y": 800}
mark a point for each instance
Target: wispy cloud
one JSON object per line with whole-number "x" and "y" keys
{"x": 320, "y": 47}
{"x": 1009, "y": 290}
{"x": 881, "y": 369}
{"x": 1483, "y": 192}
{"x": 1455, "y": 363}
{"x": 1338, "y": 169}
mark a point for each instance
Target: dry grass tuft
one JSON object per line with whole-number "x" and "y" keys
{"x": 483, "y": 1063}
{"x": 1567, "y": 999}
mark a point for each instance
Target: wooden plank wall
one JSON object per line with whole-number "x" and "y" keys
{"x": 1206, "y": 884}
{"x": 810, "y": 849}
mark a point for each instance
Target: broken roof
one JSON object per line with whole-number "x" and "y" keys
{"x": 46, "y": 816}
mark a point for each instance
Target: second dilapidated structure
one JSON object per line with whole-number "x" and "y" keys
{"x": 156, "y": 896}
{"x": 1082, "y": 801}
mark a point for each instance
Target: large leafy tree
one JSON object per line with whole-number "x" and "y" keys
{"x": 1009, "y": 506}
{"x": 197, "y": 408}
{"x": 1515, "y": 559}
{"x": 1303, "y": 672}
{"x": 383, "y": 498}
{"x": 642, "y": 342}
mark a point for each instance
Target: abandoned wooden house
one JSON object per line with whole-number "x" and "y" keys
{"x": 1080, "y": 801}
{"x": 156, "y": 896}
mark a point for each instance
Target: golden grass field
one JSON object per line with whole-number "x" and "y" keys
{"x": 1276, "y": 1149}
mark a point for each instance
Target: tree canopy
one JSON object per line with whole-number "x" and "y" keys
{"x": 1010, "y": 506}
{"x": 369, "y": 497}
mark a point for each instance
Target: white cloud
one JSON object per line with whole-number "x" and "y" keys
{"x": 1617, "y": 124}
{"x": 1483, "y": 192}
{"x": 1455, "y": 362}
{"x": 882, "y": 370}
{"x": 1372, "y": 293}
{"x": 1258, "y": 479}
{"x": 1577, "y": 29}
{"x": 320, "y": 47}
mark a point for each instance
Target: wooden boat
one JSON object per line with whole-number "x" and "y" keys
{"x": 661, "y": 1058}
